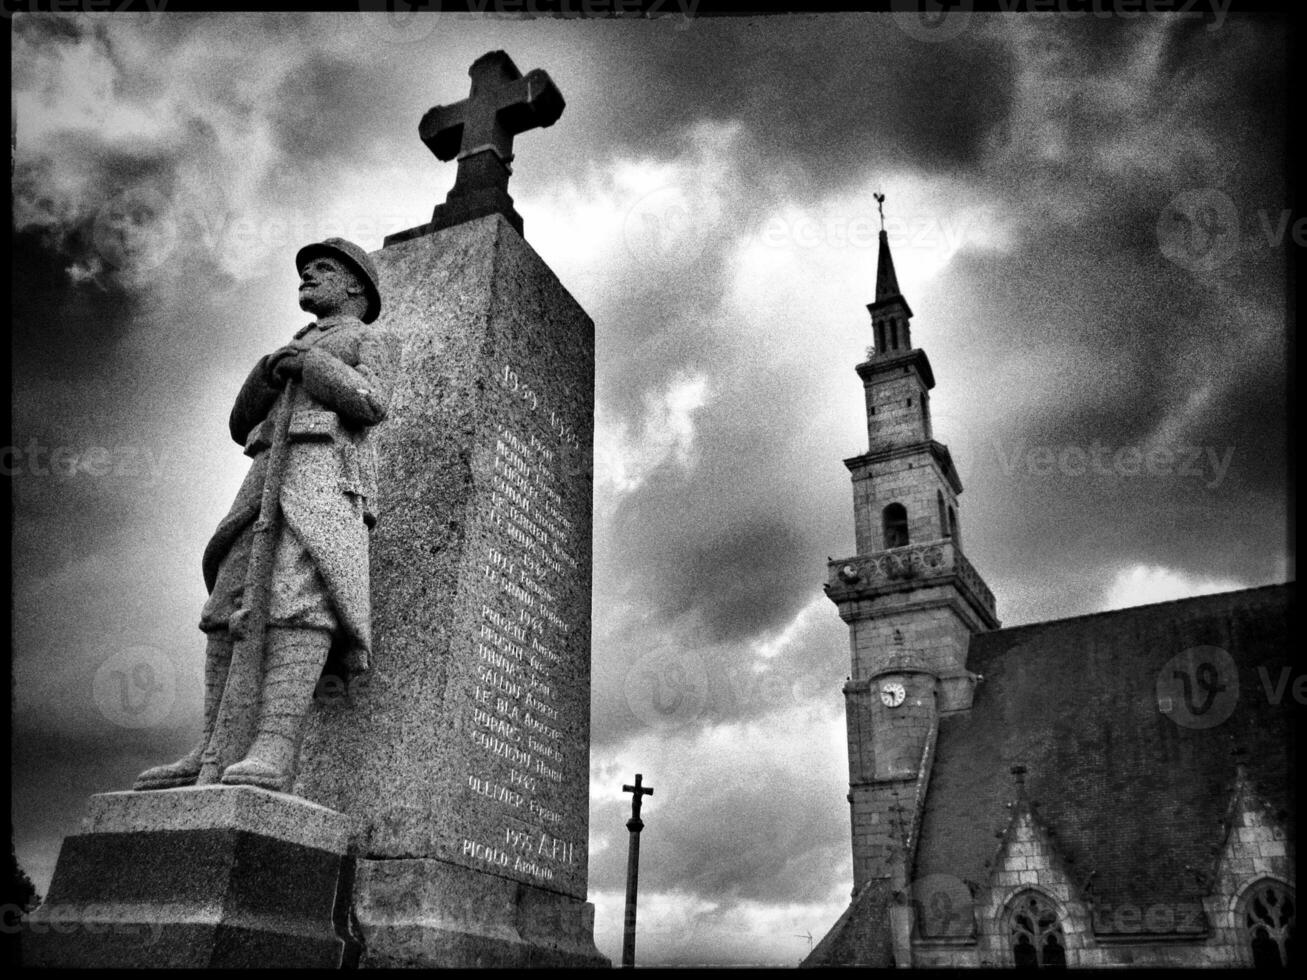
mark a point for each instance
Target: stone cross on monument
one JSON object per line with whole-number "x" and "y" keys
{"x": 479, "y": 132}
{"x": 634, "y": 825}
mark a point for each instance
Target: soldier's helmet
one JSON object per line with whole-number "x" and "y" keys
{"x": 358, "y": 262}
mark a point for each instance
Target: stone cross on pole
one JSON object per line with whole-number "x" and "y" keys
{"x": 479, "y": 132}
{"x": 634, "y": 825}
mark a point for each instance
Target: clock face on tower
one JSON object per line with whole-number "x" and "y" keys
{"x": 892, "y": 694}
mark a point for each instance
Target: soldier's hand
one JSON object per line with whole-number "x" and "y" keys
{"x": 277, "y": 367}
{"x": 290, "y": 366}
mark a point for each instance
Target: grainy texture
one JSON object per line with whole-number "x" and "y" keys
{"x": 467, "y": 741}
{"x": 274, "y": 815}
{"x": 186, "y": 878}
{"x": 1133, "y": 797}
{"x": 1084, "y": 772}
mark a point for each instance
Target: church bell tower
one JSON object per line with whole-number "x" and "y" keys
{"x": 909, "y": 595}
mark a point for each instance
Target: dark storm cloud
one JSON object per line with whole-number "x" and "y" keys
{"x": 60, "y": 331}
{"x": 1118, "y": 336}
{"x": 833, "y": 94}
{"x": 742, "y": 605}
{"x": 326, "y": 112}
{"x": 1101, "y": 337}
{"x": 724, "y": 540}
{"x": 100, "y": 423}
{"x": 729, "y": 552}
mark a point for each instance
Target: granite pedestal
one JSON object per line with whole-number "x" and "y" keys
{"x": 209, "y": 876}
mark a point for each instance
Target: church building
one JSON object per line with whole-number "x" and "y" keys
{"x": 1106, "y": 790}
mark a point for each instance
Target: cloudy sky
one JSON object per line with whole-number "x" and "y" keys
{"x": 1087, "y": 219}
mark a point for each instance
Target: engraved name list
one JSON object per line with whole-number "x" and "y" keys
{"x": 522, "y": 756}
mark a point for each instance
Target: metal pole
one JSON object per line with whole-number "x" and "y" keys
{"x": 634, "y": 825}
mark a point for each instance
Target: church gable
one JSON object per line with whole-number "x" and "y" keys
{"x": 1028, "y": 911}
{"x": 1251, "y": 905}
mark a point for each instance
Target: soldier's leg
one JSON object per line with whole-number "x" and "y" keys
{"x": 223, "y": 601}
{"x": 183, "y": 772}
{"x": 293, "y": 663}
{"x": 301, "y": 624}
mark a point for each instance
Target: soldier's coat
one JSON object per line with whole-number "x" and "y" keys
{"x": 329, "y": 486}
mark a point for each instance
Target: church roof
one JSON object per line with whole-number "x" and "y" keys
{"x": 1135, "y": 792}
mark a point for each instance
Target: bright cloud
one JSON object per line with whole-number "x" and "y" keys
{"x": 1141, "y": 585}
{"x": 625, "y": 455}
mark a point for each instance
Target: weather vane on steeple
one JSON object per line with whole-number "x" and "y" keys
{"x": 880, "y": 206}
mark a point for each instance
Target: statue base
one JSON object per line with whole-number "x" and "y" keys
{"x": 210, "y": 876}
{"x": 433, "y": 914}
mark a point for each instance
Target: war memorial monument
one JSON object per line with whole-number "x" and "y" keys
{"x": 394, "y": 770}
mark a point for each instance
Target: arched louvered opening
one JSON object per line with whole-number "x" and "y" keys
{"x": 894, "y": 520}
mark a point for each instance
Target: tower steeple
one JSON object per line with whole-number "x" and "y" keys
{"x": 890, "y": 312}
{"x": 909, "y": 595}
{"x": 887, "y": 283}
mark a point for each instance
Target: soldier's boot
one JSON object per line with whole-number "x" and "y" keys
{"x": 293, "y": 665}
{"x": 184, "y": 772}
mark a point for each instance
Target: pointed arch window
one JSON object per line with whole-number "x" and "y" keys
{"x": 894, "y": 520}
{"x": 1268, "y": 921}
{"x": 953, "y": 525}
{"x": 943, "y": 515}
{"x": 1035, "y": 932}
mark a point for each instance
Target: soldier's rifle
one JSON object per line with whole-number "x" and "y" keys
{"x": 238, "y": 713}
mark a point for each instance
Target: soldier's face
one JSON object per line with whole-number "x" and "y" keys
{"x": 325, "y": 285}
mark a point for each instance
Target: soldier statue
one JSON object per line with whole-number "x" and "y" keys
{"x": 287, "y": 568}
